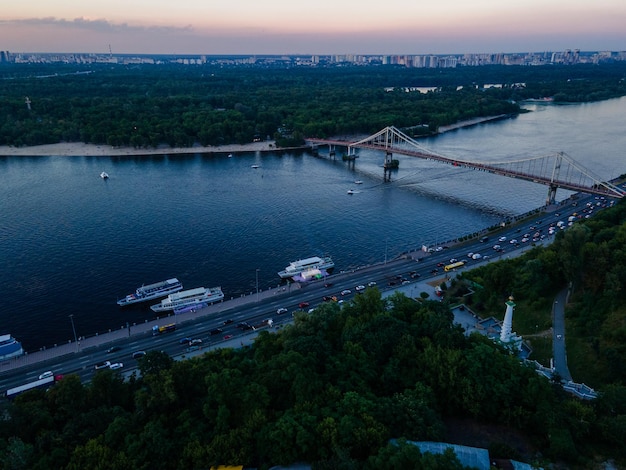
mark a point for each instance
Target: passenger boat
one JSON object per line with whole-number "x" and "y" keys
{"x": 9, "y": 347}
{"x": 185, "y": 298}
{"x": 152, "y": 291}
{"x": 315, "y": 262}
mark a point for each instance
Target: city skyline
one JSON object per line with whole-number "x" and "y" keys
{"x": 339, "y": 27}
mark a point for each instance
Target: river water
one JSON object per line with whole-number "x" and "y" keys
{"x": 72, "y": 243}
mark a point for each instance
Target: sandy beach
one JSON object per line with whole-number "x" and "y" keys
{"x": 73, "y": 149}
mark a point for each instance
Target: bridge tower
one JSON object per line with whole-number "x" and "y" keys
{"x": 331, "y": 151}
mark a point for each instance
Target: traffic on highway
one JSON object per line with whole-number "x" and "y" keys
{"x": 181, "y": 338}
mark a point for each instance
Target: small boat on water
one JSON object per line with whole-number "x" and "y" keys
{"x": 230, "y": 155}
{"x": 104, "y": 175}
{"x": 151, "y": 292}
{"x": 351, "y": 191}
{"x": 358, "y": 182}
{"x": 255, "y": 166}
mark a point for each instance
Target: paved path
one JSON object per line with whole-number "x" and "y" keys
{"x": 558, "y": 331}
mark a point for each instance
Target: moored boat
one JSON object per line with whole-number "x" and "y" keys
{"x": 315, "y": 262}
{"x": 9, "y": 347}
{"x": 152, "y": 291}
{"x": 199, "y": 295}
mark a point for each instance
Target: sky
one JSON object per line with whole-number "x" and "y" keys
{"x": 321, "y": 27}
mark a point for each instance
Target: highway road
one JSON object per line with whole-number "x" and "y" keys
{"x": 413, "y": 267}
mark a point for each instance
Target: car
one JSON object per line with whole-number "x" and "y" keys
{"x": 102, "y": 365}
{"x": 371, "y": 283}
{"x": 281, "y": 310}
{"x": 470, "y": 254}
{"x": 359, "y": 288}
{"x": 484, "y": 239}
{"x": 441, "y": 264}
{"x": 453, "y": 260}
{"x": 226, "y": 337}
{"x": 513, "y": 241}
{"x": 196, "y": 341}
{"x": 192, "y": 348}
{"x": 502, "y": 239}
{"x": 116, "y": 365}
{"x": 184, "y": 341}
{"x": 303, "y": 304}
{"x": 214, "y": 331}
{"x": 415, "y": 275}
{"x": 404, "y": 283}
{"x": 327, "y": 298}
{"x": 439, "y": 248}
{"x": 391, "y": 283}
{"x": 346, "y": 292}
{"x": 328, "y": 284}
{"x": 496, "y": 247}
{"x": 434, "y": 271}
{"x": 113, "y": 349}
{"x": 45, "y": 375}
{"x": 244, "y": 326}
{"x": 138, "y": 354}
{"x": 228, "y": 322}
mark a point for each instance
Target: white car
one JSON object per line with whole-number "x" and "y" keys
{"x": 502, "y": 239}
{"x": 346, "y": 292}
{"x": 46, "y": 374}
{"x": 359, "y": 288}
{"x": 281, "y": 310}
{"x": 513, "y": 241}
{"x": 116, "y": 365}
{"x": 496, "y": 247}
{"x": 371, "y": 283}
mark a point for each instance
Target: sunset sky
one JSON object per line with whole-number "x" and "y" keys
{"x": 311, "y": 27}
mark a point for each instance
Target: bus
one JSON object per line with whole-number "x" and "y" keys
{"x": 158, "y": 330}
{"x": 450, "y": 267}
{"x": 45, "y": 382}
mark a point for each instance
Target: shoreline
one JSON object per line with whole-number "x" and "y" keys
{"x": 80, "y": 149}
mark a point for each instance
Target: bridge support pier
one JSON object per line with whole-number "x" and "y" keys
{"x": 331, "y": 151}
{"x": 387, "y": 167}
{"x": 551, "y": 194}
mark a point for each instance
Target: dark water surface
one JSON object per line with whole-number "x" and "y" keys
{"x": 72, "y": 243}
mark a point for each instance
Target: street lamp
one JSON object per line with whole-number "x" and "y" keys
{"x": 386, "y": 240}
{"x": 257, "y": 284}
{"x": 74, "y": 330}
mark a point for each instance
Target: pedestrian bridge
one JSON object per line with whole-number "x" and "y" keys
{"x": 558, "y": 170}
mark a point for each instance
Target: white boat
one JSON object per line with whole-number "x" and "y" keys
{"x": 152, "y": 291}
{"x": 255, "y": 166}
{"x": 315, "y": 262}
{"x": 184, "y": 298}
{"x": 358, "y": 182}
{"x": 230, "y": 155}
{"x": 104, "y": 175}
{"x": 9, "y": 347}
{"x": 350, "y": 191}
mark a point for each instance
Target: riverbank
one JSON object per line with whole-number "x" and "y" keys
{"x": 74, "y": 149}
{"x": 80, "y": 149}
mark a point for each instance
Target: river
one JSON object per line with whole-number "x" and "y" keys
{"x": 72, "y": 243}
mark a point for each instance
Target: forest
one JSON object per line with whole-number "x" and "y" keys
{"x": 345, "y": 387}
{"x": 147, "y": 106}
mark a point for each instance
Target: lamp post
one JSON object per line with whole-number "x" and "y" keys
{"x": 386, "y": 240}
{"x": 257, "y": 284}
{"x": 74, "y": 330}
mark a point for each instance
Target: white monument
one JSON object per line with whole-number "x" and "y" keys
{"x": 507, "y": 337}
